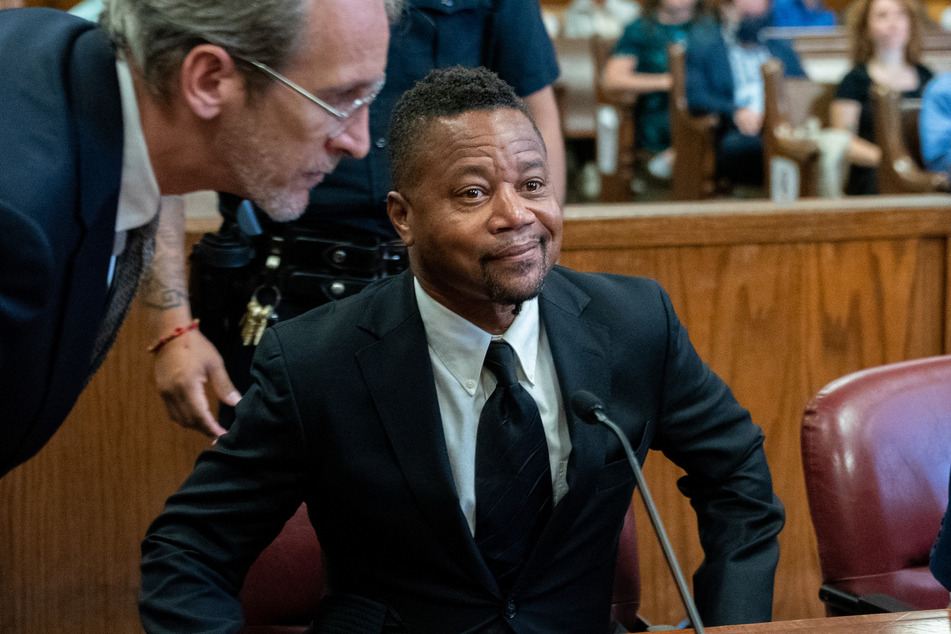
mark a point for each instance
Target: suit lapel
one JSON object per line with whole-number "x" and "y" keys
{"x": 408, "y": 407}
{"x": 407, "y": 403}
{"x": 579, "y": 350}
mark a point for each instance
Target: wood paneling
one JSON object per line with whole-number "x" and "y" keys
{"x": 779, "y": 301}
{"x": 65, "y": 5}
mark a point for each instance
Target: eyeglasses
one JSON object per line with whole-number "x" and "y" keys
{"x": 343, "y": 116}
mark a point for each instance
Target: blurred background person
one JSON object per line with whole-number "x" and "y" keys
{"x": 886, "y": 50}
{"x": 723, "y": 77}
{"x": 802, "y": 13}
{"x": 639, "y": 65}
{"x": 934, "y": 124}
{"x": 607, "y": 18}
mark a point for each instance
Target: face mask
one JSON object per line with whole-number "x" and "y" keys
{"x": 747, "y": 30}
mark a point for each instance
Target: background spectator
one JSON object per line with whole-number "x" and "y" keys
{"x": 802, "y": 13}
{"x": 639, "y": 65}
{"x": 724, "y": 77}
{"x": 584, "y": 18}
{"x": 935, "y": 124}
{"x": 886, "y": 50}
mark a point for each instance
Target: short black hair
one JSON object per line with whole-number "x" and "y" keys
{"x": 446, "y": 92}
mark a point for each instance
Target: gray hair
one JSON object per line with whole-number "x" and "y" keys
{"x": 158, "y": 34}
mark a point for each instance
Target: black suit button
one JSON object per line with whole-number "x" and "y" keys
{"x": 510, "y": 610}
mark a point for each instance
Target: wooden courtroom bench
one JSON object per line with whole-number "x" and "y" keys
{"x": 825, "y": 51}
{"x": 779, "y": 300}
{"x": 575, "y": 87}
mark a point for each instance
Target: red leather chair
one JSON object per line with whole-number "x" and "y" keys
{"x": 285, "y": 584}
{"x": 876, "y": 452}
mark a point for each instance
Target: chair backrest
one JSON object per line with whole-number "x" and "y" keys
{"x": 575, "y": 87}
{"x": 618, "y": 158}
{"x": 601, "y": 51}
{"x": 896, "y": 133}
{"x": 284, "y": 586}
{"x": 693, "y": 138}
{"x": 876, "y": 453}
{"x": 781, "y": 115}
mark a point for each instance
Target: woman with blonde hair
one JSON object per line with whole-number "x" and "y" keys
{"x": 886, "y": 50}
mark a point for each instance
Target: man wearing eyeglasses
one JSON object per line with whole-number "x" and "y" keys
{"x": 103, "y": 128}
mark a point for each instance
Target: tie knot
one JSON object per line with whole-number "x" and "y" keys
{"x": 500, "y": 361}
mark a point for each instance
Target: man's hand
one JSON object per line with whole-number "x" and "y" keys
{"x": 182, "y": 367}
{"x": 747, "y": 121}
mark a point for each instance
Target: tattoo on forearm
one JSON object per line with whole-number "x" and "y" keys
{"x": 161, "y": 297}
{"x": 165, "y": 285}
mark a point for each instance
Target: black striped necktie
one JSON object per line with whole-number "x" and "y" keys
{"x": 513, "y": 477}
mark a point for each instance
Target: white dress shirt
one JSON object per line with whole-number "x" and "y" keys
{"x": 457, "y": 349}
{"x": 745, "y": 64}
{"x": 139, "y": 195}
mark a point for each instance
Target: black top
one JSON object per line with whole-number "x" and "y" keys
{"x": 857, "y": 86}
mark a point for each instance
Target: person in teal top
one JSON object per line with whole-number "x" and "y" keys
{"x": 639, "y": 65}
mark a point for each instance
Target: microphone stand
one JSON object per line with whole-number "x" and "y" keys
{"x": 597, "y": 412}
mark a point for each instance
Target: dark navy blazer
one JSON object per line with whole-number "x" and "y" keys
{"x": 60, "y": 168}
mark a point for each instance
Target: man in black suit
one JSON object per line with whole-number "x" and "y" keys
{"x": 371, "y": 410}
{"x": 101, "y": 127}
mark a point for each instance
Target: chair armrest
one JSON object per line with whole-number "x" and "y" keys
{"x": 705, "y": 124}
{"x": 795, "y": 149}
{"x": 912, "y": 179}
{"x": 805, "y": 153}
{"x": 845, "y": 603}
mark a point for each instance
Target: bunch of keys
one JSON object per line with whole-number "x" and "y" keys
{"x": 256, "y": 316}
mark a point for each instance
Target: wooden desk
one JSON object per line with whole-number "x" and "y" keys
{"x": 924, "y": 622}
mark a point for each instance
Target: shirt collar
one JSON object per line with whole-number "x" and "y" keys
{"x": 461, "y": 345}
{"x": 139, "y": 195}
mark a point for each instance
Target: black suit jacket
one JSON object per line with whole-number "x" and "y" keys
{"x": 344, "y": 416}
{"x": 60, "y": 168}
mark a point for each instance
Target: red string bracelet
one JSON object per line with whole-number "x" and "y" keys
{"x": 178, "y": 332}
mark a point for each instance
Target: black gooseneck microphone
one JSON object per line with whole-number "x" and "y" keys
{"x": 589, "y": 408}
